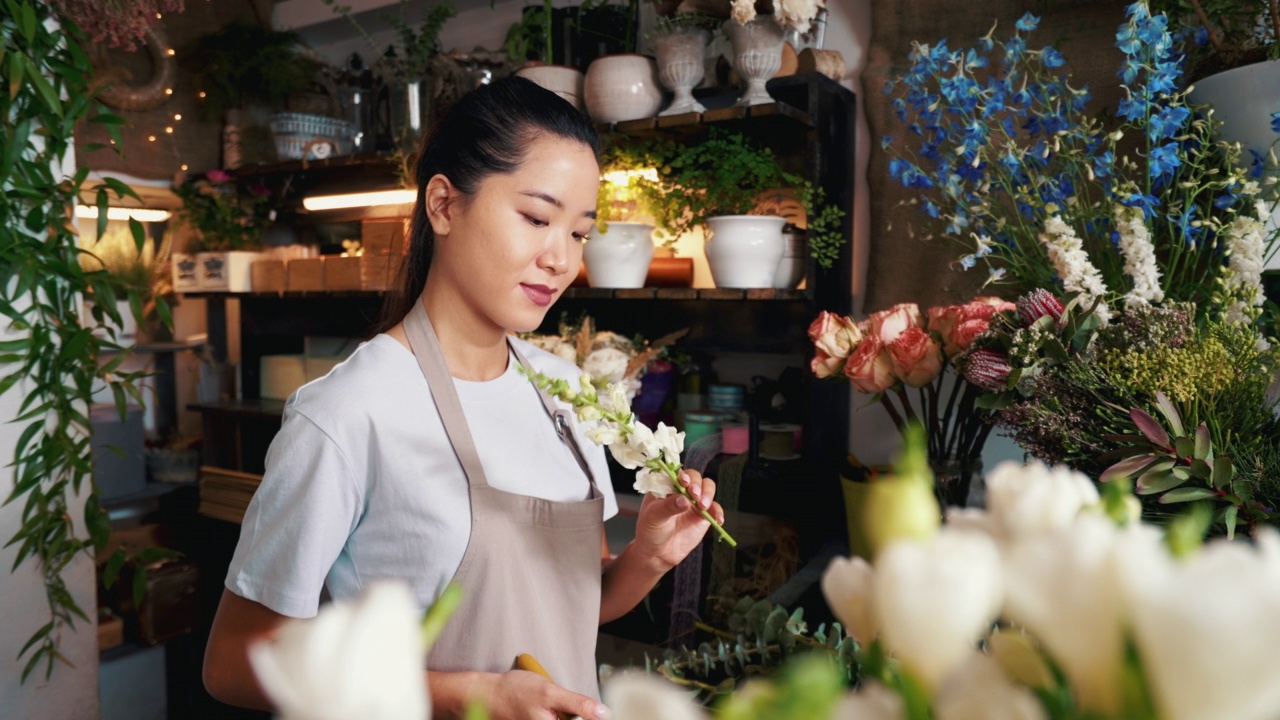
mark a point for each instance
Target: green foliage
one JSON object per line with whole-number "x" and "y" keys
{"x": 1231, "y": 32}
{"x": 531, "y": 36}
{"x": 639, "y": 195}
{"x": 226, "y": 217}
{"x": 243, "y": 64}
{"x": 58, "y": 360}
{"x": 414, "y": 49}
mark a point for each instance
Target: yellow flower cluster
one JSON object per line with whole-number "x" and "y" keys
{"x": 1197, "y": 370}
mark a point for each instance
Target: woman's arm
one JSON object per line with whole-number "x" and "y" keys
{"x": 227, "y": 674}
{"x": 666, "y": 531}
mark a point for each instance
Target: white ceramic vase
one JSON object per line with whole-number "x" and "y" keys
{"x": 620, "y": 257}
{"x": 744, "y": 251}
{"x": 681, "y": 66}
{"x": 622, "y": 87}
{"x": 1243, "y": 100}
{"x": 757, "y": 55}
{"x": 563, "y": 81}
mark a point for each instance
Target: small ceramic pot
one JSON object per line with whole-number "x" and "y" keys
{"x": 622, "y": 87}
{"x": 743, "y": 251}
{"x": 757, "y": 55}
{"x": 681, "y": 66}
{"x": 563, "y": 81}
{"x": 619, "y": 258}
{"x": 795, "y": 255}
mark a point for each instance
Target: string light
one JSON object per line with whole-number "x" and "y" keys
{"x": 168, "y": 91}
{"x": 159, "y": 16}
{"x": 172, "y": 52}
{"x": 184, "y": 166}
{"x": 201, "y": 95}
{"x": 177, "y": 116}
{"x": 118, "y": 213}
{"x": 169, "y": 130}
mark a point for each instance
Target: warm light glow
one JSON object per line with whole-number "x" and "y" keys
{"x": 177, "y": 116}
{"x": 201, "y": 94}
{"x": 168, "y": 91}
{"x": 159, "y": 16}
{"x": 171, "y": 52}
{"x": 354, "y": 200}
{"x": 152, "y": 138}
{"x": 184, "y": 166}
{"x": 117, "y": 213}
{"x": 620, "y": 177}
{"x": 169, "y": 130}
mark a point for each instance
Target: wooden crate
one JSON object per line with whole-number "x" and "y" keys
{"x": 341, "y": 273}
{"x": 267, "y": 276}
{"x": 383, "y": 237}
{"x": 304, "y": 274}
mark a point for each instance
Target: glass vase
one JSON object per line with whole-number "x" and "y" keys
{"x": 958, "y": 481}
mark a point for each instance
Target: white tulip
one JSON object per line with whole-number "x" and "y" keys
{"x": 670, "y": 441}
{"x": 653, "y": 482}
{"x": 872, "y": 702}
{"x": 1208, "y": 633}
{"x": 971, "y": 519}
{"x": 979, "y": 690}
{"x": 1034, "y": 498}
{"x": 848, "y": 585}
{"x": 359, "y": 659}
{"x": 1065, "y": 587}
{"x": 641, "y": 696}
{"x": 935, "y": 599}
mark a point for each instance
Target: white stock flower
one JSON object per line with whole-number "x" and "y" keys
{"x": 603, "y": 433}
{"x": 638, "y": 448}
{"x": 1065, "y": 587}
{"x": 1032, "y": 498}
{"x": 1208, "y": 632}
{"x": 872, "y": 701}
{"x": 1072, "y": 263}
{"x": 606, "y": 365}
{"x": 358, "y": 659}
{"x": 670, "y": 441}
{"x": 1139, "y": 257}
{"x": 653, "y": 482}
{"x": 618, "y": 400}
{"x": 641, "y": 696}
{"x": 979, "y": 690}
{"x": 1245, "y": 250}
{"x": 848, "y": 585}
{"x": 934, "y": 600}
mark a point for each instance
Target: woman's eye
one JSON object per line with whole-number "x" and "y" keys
{"x": 535, "y": 221}
{"x": 580, "y": 237}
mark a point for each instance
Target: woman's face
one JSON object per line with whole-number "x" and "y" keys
{"x": 513, "y": 247}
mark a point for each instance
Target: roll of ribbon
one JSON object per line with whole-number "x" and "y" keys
{"x": 778, "y": 441}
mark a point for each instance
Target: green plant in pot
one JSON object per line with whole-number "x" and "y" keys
{"x": 229, "y": 222}
{"x": 722, "y": 181}
{"x": 630, "y": 202}
{"x": 529, "y": 41}
{"x": 140, "y": 263}
{"x": 54, "y": 361}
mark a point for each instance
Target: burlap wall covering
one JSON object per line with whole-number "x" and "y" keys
{"x": 902, "y": 266}
{"x": 195, "y": 141}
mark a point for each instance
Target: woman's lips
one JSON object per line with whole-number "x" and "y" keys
{"x": 541, "y": 295}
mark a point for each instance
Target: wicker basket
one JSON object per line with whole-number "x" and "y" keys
{"x": 301, "y": 136}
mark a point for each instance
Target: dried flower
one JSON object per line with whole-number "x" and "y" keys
{"x": 117, "y": 23}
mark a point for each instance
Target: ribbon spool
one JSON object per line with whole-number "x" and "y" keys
{"x": 777, "y": 441}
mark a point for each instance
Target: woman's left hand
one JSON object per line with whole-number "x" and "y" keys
{"x": 670, "y": 528}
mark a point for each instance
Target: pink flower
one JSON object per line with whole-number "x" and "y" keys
{"x": 1000, "y": 304}
{"x": 916, "y": 357}
{"x": 958, "y": 325}
{"x": 869, "y": 367}
{"x": 834, "y": 335}
{"x": 962, "y": 337}
{"x": 889, "y": 324}
{"x": 988, "y": 370}
{"x": 1038, "y": 303}
{"x": 219, "y": 176}
{"x": 825, "y": 366}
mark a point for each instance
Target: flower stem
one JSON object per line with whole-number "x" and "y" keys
{"x": 673, "y": 472}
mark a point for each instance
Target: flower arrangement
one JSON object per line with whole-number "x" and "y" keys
{"x": 606, "y": 357}
{"x": 116, "y": 23}
{"x": 226, "y": 217}
{"x": 899, "y": 349}
{"x": 1010, "y": 161}
{"x": 653, "y": 453}
{"x": 796, "y": 14}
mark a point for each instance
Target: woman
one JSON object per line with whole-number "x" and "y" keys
{"x": 428, "y": 456}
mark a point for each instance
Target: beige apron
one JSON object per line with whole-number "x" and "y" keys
{"x": 531, "y": 572}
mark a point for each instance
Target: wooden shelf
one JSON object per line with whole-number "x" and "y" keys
{"x": 377, "y": 161}
{"x": 577, "y": 293}
{"x": 785, "y": 114}
{"x": 258, "y": 407}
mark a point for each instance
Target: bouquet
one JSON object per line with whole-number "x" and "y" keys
{"x": 900, "y": 349}
{"x": 605, "y": 357}
{"x": 796, "y": 14}
{"x": 226, "y": 217}
{"x": 1011, "y": 162}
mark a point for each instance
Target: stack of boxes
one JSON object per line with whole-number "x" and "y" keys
{"x": 385, "y": 245}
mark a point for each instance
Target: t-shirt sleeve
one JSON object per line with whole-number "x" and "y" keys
{"x": 298, "y": 521}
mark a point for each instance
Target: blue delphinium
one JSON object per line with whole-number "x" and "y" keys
{"x": 1000, "y": 139}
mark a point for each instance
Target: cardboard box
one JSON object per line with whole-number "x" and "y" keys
{"x": 305, "y": 274}
{"x": 341, "y": 273}
{"x": 268, "y": 276}
{"x": 383, "y": 237}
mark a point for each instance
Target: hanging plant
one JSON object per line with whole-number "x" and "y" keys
{"x": 49, "y": 348}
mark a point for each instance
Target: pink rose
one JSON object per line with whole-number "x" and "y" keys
{"x": 825, "y": 366}
{"x": 963, "y": 335}
{"x": 916, "y": 357}
{"x": 219, "y": 176}
{"x": 943, "y": 319}
{"x": 869, "y": 367}
{"x": 834, "y": 335}
{"x": 889, "y": 324}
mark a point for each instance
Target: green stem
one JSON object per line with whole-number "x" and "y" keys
{"x": 673, "y": 471}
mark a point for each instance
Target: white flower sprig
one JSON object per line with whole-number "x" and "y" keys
{"x": 1139, "y": 257}
{"x": 653, "y": 454}
{"x": 1069, "y": 258}
{"x": 1245, "y": 249}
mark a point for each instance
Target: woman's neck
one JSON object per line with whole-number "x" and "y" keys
{"x": 474, "y": 347}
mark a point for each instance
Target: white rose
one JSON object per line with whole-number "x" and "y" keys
{"x": 606, "y": 365}
{"x": 670, "y": 441}
{"x": 848, "y": 584}
{"x": 566, "y": 351}
{"x": 362, "y": 658}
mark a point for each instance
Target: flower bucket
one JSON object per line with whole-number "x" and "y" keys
{"x": 744, "y": 251}
{"x": 620, "y": 257}
{"x": 855, "y": 499}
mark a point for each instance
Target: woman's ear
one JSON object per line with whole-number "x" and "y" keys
{"x": 439, "y": 198}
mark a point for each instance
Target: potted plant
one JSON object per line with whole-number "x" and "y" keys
{"x": 529, "y": 41}
{"x": 141, "y": 267}
{"x": 721, "y": 181}
{"x": 245, "y": 72}
{"x": 680, "y": 44}
{"x": 229, "y": 224}
{"x": 631, "y": 202}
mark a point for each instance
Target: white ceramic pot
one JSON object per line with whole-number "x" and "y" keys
{"x": 226, "y": 271}
{"x": 185, "y": 275}
{"x": 743, "y": 251}
{"x": 619, "y": 258}
{"x": 795, "y": 256}
{"x": 563, "y": 81}
{"x": 622, "y": 87}
{"x": 757, "y": 55}
{"x": 1243, "y": 100}
{"x": 680, "y": 56}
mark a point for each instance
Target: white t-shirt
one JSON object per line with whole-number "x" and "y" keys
{"x": 362, "y": 483}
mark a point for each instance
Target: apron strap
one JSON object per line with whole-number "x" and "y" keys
{"x": 426, "y": 348}
{"x": 563, "y": 420}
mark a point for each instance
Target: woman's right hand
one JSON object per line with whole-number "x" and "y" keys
{"x": 522, "y": 695}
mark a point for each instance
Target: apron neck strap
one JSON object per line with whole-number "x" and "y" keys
{"x": 563, "y": 421}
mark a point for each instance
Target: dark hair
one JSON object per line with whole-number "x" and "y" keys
{"x": 487, "y": 132}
